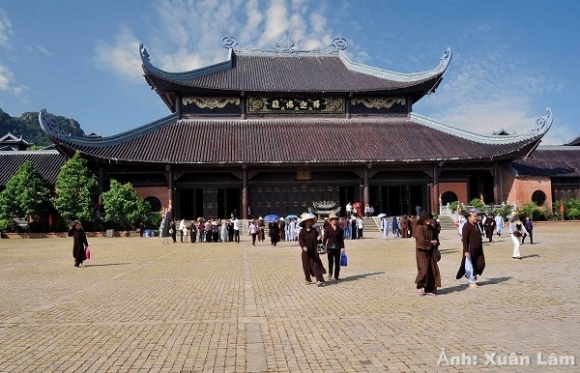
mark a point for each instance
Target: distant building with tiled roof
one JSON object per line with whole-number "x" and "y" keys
{"x": 12, "y": 142}
{"x": 271, "y": 131}
{"x": 47, "y": 162}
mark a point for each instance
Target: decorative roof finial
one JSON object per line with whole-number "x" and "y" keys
{"x": 230, "y": 42}
{"x": 544, "y": 122}
{"x": 285, "y": 45}
{"x": 144, "y": 55}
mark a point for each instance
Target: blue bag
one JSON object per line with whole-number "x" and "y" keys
{"x": 343, "y": 260}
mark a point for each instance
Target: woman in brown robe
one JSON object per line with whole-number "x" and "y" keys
{"x": 404, "y": 226}
{"x": 308, "y": 240}
{"x": 428, "y": 276}
{"x": 80, "y": 242}
{"x": 472, "y": 260}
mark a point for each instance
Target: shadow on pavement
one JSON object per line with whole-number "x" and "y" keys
{"x": 352, "y": 278}
{"x": 462, "y": 287}
{"x": 104, "y": 265}
{"x": 530, "y": 256}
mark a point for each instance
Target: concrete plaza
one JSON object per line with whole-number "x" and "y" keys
{"x": 141, "y": 306}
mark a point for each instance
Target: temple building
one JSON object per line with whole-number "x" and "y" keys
{"x": 274, "y": 131}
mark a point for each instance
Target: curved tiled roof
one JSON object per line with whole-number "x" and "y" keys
{"x": 48, "y": 163}
{"x": 549, "y": 161}
{"x": 300, "y": 72}
{"x": 298, "y": 141}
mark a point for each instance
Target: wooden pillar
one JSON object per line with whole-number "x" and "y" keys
{"x": 178, "y": 104}
{"x": 170, "y": 189}
{"x": 245, "y": 193}
{"x": 347, "y": 106}
{"x": 366, "y": 198}
{"x": 497, "y": 190}
{"x": 243, "y": 102}
{"x": 435, "y": 197}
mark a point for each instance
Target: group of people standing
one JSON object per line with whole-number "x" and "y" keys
{"x": 205, "y": 230}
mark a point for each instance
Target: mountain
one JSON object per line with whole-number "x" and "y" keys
{"x": 28, "y": 127}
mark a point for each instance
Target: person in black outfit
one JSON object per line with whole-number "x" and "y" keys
{"x": 334, "y": 242}
{"x": 173, "y": 231}
{"x": 80, "y": 242}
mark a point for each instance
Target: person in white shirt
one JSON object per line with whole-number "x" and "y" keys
{"x": 236, "y": 229}
{"x": 360, "y": 226}
{"x": 348, "y": 210}
{"x": 182, "y": 228}
{"x": 499, "y": 224}
{"x": 385, "y": 227}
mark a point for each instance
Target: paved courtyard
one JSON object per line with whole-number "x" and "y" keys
{"x": 141, "y": 306}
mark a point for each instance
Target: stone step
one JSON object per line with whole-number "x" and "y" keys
{"x": 447, "y": 222}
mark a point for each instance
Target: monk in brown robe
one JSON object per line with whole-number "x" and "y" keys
{"x": 473, "y": 260}
{"x": 404, "y": 226}
{"x": 308, "y": 239}
{"x": 428, "y": 277}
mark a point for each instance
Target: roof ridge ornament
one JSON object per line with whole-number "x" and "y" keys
{"x": 285, "y": 46}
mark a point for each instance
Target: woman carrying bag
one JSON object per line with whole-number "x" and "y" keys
{"x": 334, "y": 243}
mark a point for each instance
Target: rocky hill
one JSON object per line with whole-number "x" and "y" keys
{"x": 27, "y": 126}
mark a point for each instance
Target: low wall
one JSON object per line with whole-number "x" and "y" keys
{"x": 64, "y": 235}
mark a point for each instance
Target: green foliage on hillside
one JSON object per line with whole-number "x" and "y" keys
{"x": 28, "y": 127}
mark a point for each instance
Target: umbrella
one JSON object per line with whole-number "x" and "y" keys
{"x": 381, "y": 215}
{"x": 291, "y": 216}
{"x": 271, "y": 217}
{"x": 356, "y": 205}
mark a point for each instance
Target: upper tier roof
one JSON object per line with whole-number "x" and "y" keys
{"x": 288, "y": 70}
{"x": 291, "y": 141}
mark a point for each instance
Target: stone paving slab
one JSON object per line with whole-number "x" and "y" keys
{"x": 142, "y": 306}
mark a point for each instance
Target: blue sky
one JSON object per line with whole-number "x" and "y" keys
{"x": 80, "y": 59}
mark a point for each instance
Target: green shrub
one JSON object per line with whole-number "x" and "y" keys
{"x": 573, "y": 213}
{"x": 153, "y": 220}
{"x": 477, "y": 203}
{"x": 8, "y": 225}
{"x": 59, "y": 225}
{"x": 532, "y": 210}
{"x": 504, "y": 211}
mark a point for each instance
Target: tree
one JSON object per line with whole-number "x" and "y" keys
{"x": 124, "y": 206}
{"x": 27, "y": 194}
{"x": 77, "y": 190}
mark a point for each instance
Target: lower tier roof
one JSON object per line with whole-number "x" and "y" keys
{"x": 549, "y": 161}
{"x": 312, "y": 141}
{"x": 48, "y": 163}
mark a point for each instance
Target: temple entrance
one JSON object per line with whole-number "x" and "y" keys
{"x": 399, "y": 199}
{"x": 481, "y": 186}
{"x": 229, "y": 202}
{"x": 190, "y": 203}
{"x": 346, "y": 195}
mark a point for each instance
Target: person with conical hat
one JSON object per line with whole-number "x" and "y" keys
{"x": 308, "y": 239}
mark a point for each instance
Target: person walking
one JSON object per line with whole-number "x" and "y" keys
{"x": 489, "y": 227}
{"x": 182, "y": 228}
{"x": 201, "y": 229}
{"x": 461, "y": 220}
{"x": 529, "y": 228}
{"x": 517, "y": 231}
{"x": 428, "y": 277}
{"x": 80, "y": 242}
{"x": 473, "y": 259}
{"x": 308, "y": 239}
{"x": 334, "y": 243}
{"x": 395, "y": 224}
{"x": 274, "y": 233}
{"x": 141, "y": 229}
{"x": 253, "y": 231}
{"x": 359, "y": 227}
{"x": 404, "y": 228}
{"x": 385, "y": 227}
{"x": 172, "y": 231}
{"x": 499, "y": 222}
{"x": 192, "y": 231}
{"x": 348, "y": 209}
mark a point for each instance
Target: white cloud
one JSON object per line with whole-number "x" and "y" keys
{"x": 7, "y": 82}
{"x": 5, "y": 30}
{"x": 489, "y": 92}
{"x": 188, "y": 33}
{"x": 122, "y": 57}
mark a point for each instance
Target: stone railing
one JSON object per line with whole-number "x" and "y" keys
{"x": 444, "y": 210}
